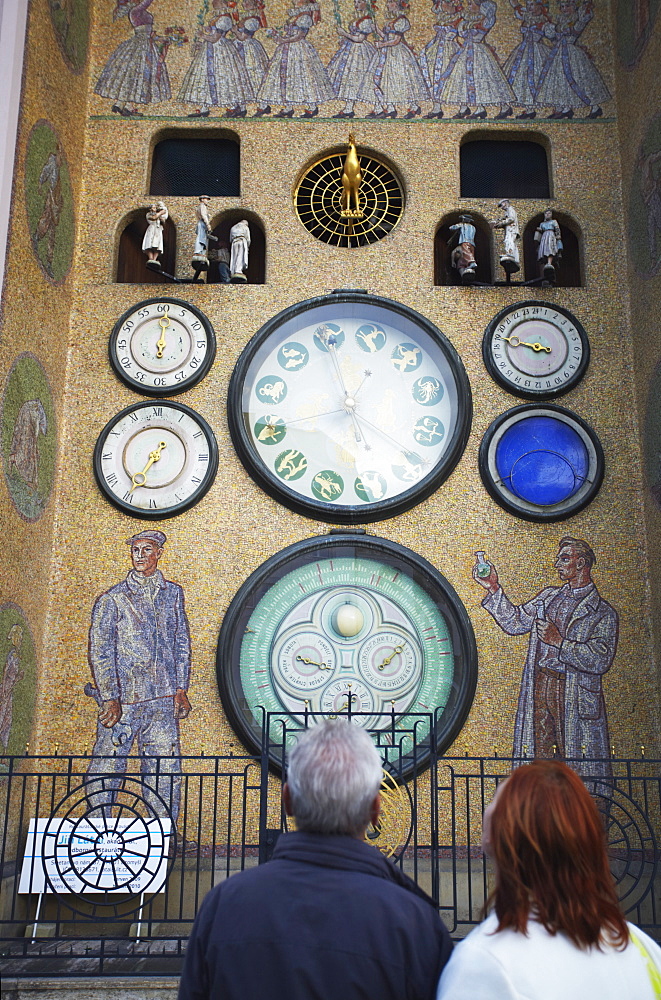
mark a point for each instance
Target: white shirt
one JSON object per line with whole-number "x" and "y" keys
{"x": 539, "y": 966}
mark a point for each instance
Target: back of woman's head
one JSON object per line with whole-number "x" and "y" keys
{"x": 547, "y": 840}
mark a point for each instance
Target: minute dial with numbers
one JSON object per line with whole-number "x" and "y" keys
{"x": 536, "y": 350}
{"x": 349, "y": 407}
{"x": 348, "y": 620}
{"x": 155, "y": 460}
{"x": 162, "y": 347}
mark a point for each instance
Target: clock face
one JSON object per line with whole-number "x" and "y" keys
{"x": 349, "y": 408}
{"x": 536, "y": 350}
{"x": 349, "y": 624}
{"x": 155, "y": 460}
{"x": 541, "y": 463}
{"x": 162, "y": 347}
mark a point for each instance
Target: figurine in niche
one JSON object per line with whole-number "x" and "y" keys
{"x": 239, "y": 244}
{"x": 222, "y": 257}
{"x": 549, "y": 251}
{"x": 462, "y": 243}
{"x": 152, "y": 244}
{"x": 200, "y": 259}
{"x": 509, "y": 223}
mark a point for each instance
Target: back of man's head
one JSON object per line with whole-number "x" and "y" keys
{"x": 334, "y": 775}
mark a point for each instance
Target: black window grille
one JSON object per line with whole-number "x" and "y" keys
{"x": 501, "y": 168}
{"x": 195, "y": 166}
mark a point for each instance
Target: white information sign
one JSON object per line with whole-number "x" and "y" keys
{"x": 97, "y": 854}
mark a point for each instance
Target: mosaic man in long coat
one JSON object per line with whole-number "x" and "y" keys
{"x": 573, "y": 640}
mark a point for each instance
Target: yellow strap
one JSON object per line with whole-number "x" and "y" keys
{"x": 652, "y": 969}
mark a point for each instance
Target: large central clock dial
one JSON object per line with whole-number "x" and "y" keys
{"x": 349, "y": 624}
{"x": 349, "y": 407}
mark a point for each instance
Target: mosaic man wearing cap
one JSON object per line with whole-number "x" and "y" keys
{"x": 140, "y": 655}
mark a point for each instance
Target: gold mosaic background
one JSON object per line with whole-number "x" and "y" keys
{"x": 54, "y": 569}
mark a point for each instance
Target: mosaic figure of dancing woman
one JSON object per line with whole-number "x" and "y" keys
{"x": 353, "y": 58}
{"x": 524, "y": 64}
{"x": 217, "y": 76}
{"x": 136, "y": 72}
{"x": 570, "y": 80}
{"x": 394, "y": 77}
{"x": 296, "y": 76}
{"x": 250, "y": 49}
{"x": 474, "y": 75}
{"x": 436, "y": 55}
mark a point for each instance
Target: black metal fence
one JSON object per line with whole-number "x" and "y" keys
{"x": 103, "y": 871}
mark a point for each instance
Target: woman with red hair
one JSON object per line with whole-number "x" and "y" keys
{"x": 555, "y": 931}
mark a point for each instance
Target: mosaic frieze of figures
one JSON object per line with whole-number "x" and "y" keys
{"x": 468, "y": 59}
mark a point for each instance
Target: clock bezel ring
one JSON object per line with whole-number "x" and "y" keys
{"x": 337, "y": 544}
{"x": 335, "y": 513}
{"x": 160, "y": 392}
{"x": 535, "y": 394}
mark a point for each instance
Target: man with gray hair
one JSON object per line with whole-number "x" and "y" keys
{"x": 328, "y": 917}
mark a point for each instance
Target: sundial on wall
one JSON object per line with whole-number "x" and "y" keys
{"x": 348, "y": 619}
{"x": 349, "y": 201}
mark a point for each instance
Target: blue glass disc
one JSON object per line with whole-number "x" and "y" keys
{"x": 542, "y": 460}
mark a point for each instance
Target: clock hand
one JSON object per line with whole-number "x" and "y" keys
{"x": 313, "y": 416}
{"x": 517, "y": 342}
{"x": 322, "y": 666}
{"x": 396, "y": 650}
{"x": 163, "y": 322}
{"x": 140, "y": 478}
{"x": 400, "y": 447}
{"x": 349, "y": 401}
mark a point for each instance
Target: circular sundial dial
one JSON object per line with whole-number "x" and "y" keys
{"x": 318, "y": 201}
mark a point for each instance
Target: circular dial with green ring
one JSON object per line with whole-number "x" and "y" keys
{"x": 349, "y": 624}
{"x": 349, "y": 407}
{"x": 536, "y": 350}
{"x": 162, "y": 346}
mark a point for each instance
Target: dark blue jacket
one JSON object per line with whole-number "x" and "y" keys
{"x": 328, "y": 918}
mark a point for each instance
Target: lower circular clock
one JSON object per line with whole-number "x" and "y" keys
{"x": 348, "y": 624}
{"x": 541, "y": 463}
{"x": 155, "y": 460}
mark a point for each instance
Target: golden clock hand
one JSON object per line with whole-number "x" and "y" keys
{"x": 140, "y": 478}
{"x": 396, "y": 650}
{"x": 163, "y": 322}
{"x": 517, "y": 342}
{"x": 313, "y": 663}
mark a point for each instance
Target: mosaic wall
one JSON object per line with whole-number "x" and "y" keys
{"x": 450, "y": 57}
{"x": 34, "y": 336}
{"x": 151, "y": 66}
{"x": 640, "y": 131}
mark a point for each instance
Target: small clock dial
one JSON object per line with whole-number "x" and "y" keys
{"x": 346, "y": 623}
{"x": 536, "y": 350}
{"x": 162, "y": 347}
{"x": 541, "y": 463}
{"x": 349, "y": 408}
{"x": 155, "y": 460}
